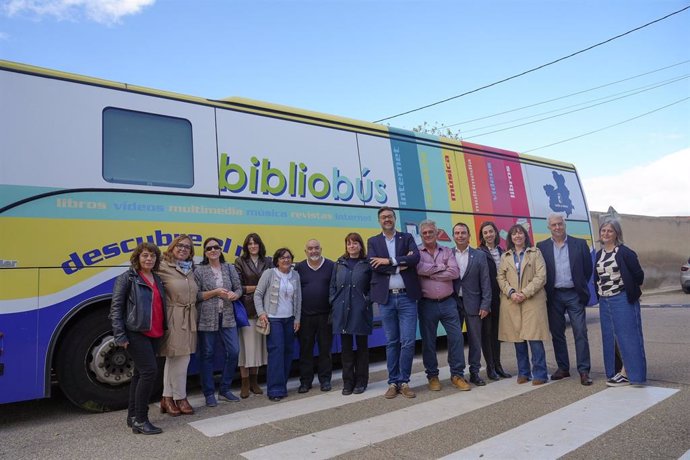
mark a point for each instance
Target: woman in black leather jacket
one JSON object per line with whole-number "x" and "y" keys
{"x": 137, "y": 313}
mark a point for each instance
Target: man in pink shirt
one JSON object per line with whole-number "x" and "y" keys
{"x": 437, "y": 268}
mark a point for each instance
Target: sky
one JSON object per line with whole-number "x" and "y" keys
{"x": 620, "y": 111}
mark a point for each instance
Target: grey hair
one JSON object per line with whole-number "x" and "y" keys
{"x": 427, "y": 223}
{"x": 616, "y": 225}
{"x": 553, "y": 215}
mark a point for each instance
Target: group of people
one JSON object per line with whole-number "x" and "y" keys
{"x": 519, "y": 295}
{"x": 165, "y": 305}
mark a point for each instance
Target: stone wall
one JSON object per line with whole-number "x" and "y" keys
{"x": 662, "y": 244}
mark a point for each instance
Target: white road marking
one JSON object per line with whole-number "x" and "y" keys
{"x": 568, "y": 428}
{"x": 339, "y": 440}
{"x": 218, "y": 426}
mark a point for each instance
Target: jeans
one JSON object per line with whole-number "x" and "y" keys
{"x": 355, "y": 362}
{"x": 279, "y": 343}
{"x": 430, "y": 313}
{"x": 142, "y": 350}
{"x": 538, "y": 359}
{"x": 313, "y": 328}
{"x": 207, "y": 348}
{"x": 399, "y": 318}
{"x": 621, "y": 322}
{"x": 568, "y": 301}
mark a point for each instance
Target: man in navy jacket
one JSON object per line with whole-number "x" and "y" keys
{"x": 568, "y": 270}
{"x": 395, "y": 287}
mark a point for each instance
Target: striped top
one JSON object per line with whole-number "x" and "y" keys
{"x": 610, "y": 281}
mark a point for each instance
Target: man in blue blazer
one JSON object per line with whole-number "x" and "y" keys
{"x": 568, "y": 271}
{"x": 473, "y": 288}
{"x": 395, "y": 287}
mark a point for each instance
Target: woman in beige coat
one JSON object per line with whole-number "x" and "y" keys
{"x": 523, "y": 318}
{"x": 179, "y": 341}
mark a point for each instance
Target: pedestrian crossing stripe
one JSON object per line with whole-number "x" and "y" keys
{"x": 362, "y": 433}
{"x": 568, "y": 428}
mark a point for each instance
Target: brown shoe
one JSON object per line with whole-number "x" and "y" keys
{"x": 169, "y": 406}
{"x": 244, "y": 389}
{"x": 254, "y": 385}
{"x": 560, "y": 374}
{"x": 392, "y": 391}
{"x": 536, "y": 382}
{"x": 184, "y": 406}
{"x": 522, "y": 379}
{"x": 460, "y": 383}
{"x": 585, "y": 379}
{"x": 406, "y": 391}
{"x": 434, "y": 384}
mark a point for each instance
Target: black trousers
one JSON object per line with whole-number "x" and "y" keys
{"x": 491, "y": 346}
{"x": 355, "y": 362}
{"x": 315, "y": 328}
{"x": 142, "y": 350}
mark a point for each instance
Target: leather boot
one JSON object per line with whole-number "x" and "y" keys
{"x": 254, "y": 385}
{"x": 169, "y": 406}
{"x": 244, "y": 391}
{"x": 491, "y": 373}
{"x": 184, "y": 406}
{"x": 501, "y": 372}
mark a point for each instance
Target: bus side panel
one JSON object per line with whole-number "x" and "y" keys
{"x": 23, "y": 376}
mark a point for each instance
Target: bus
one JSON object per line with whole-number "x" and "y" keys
{"x": 89, "y": 168}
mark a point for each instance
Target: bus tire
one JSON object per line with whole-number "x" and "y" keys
{"x": 74, "y": 369}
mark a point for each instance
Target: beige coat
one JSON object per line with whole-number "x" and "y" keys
{"x": 180, "y": 297}
{"x": 528, "y": 320}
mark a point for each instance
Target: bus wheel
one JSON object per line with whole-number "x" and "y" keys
{"x": 92, "y": 372}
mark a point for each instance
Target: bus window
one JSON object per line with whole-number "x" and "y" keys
{"x": 148, "y": 149}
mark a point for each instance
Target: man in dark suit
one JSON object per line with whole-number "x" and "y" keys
{"x": 395, "y": 287}
{"x": 474, "y": 295}
{"x": 568, "y": 270}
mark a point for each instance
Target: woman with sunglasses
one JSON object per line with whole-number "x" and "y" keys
{"x": 278, "y": 301}
{"x": 179, "y": 341}
{"x": 219, "y": 285}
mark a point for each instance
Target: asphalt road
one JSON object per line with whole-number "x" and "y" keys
{"x": 443, "y": 423}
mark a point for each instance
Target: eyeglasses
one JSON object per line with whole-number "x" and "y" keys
{"x": 212, "y": 248}
{"x": 183, "y": 246}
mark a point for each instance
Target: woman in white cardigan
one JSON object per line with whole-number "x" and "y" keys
{"x": 278, "y": 301}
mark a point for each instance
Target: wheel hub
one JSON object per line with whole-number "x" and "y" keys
{"x": 111, "y": 364}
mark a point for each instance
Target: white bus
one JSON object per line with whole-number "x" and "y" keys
{"x": 89, "y": 168}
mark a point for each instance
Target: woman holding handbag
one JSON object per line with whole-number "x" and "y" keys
{"x": 250, "y": 265}
{"x": 278, "y": 301}
{"x": 219, "y": 286}
{"x": 137, "y": 313}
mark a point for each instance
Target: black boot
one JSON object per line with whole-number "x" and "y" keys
{"x": 130, "y": 420}
{"x": 145, "y": 428}
{"x": 501, "y": 372}
{"x": 491, "y": 373}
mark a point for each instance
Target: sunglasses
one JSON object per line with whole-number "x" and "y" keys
{"x": 212, "y": 248}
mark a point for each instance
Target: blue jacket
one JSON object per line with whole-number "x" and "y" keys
{"x": 631, "y": 272}
{"x": 404, "y": 244}
{"x": 475, "y": 282}
{"x": 580, "y": 267}
{"x": 349, "y": 297}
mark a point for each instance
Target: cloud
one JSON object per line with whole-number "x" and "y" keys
{"x": 101, "y": 11}
{"x": 661, "y": 188}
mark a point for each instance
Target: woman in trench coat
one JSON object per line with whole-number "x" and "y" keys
{"x": 523, "y": 317}
{"x": 179, "y": 341}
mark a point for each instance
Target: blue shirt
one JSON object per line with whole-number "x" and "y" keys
{"x": 395, "y": 281}
{"x": 561, "y": 258}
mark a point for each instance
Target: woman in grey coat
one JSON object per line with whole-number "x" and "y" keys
{"x": 219, "y": 285}
{"x": 352, "y": 312}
